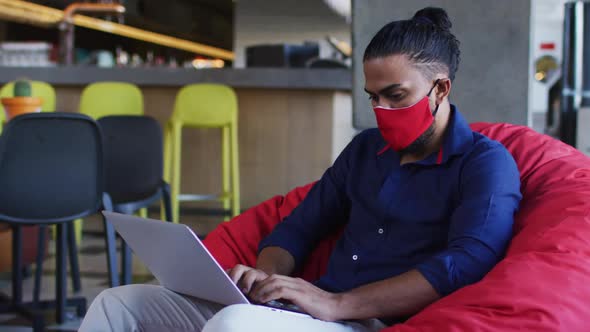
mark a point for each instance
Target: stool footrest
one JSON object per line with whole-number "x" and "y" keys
{"x": 203, "y": 197}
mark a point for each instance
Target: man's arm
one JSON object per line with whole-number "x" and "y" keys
{"x": 481, "y": 227}
{"x": 399, "y": 296}
{"x": 275, "y": 260}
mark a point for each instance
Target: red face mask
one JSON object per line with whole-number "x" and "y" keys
{"x": 400, "y": 127}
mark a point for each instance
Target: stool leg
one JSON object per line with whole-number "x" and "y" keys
{"x": 61, "y": 274}
{"x": 235, "y": 170}
{"x": 167, "y": 152}
{"x": 78, "y": 228}
{"x": 225, "y": 171}
{"x": 126, "y": 263}
{"x": 111, "y": 244}
{"x": 166, "y": 201}
{"x": 73, "y": 253}
{"x": 39, "y": 263}
{"x": 176, "y": 169}
{"x": 168, "y": 164}
{"x": 17, "y": 270}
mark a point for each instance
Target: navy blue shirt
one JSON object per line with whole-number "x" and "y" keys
{"x": 449, "y": 215}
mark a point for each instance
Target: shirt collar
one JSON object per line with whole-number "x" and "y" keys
{"x": 457, "y": 140}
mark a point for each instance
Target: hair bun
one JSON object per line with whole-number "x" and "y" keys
{"x": 435, "y": 16}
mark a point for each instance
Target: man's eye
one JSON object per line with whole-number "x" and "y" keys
{"x": 396, "y": 96}
{"x": 373, "y": 97}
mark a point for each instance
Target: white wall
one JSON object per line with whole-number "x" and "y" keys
{"x": 285, "y": 21}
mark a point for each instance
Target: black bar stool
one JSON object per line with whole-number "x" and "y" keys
{"x": 133, "y": 161}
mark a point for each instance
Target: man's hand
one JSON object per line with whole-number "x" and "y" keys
{"x": 245, "y": 277}
{"x": 313, "y": 300}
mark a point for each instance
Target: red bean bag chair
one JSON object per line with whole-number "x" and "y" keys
{"x": 543, "y": 283}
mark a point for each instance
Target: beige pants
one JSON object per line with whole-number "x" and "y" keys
{"x": 154, "y": 308}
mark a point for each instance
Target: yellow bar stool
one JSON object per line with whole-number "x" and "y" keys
{"x": 111, "y": 98}
{"x": 38, "y": 89}
{"x": 204, "y": 106}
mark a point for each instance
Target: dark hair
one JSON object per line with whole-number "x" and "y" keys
{"x": 426, "y": 39}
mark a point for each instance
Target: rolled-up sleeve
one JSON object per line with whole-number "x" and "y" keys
{"x": 481, "y": 225}
{"x": 325, "y": 208}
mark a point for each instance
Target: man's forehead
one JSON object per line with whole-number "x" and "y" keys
{"x": 383, "y": 87}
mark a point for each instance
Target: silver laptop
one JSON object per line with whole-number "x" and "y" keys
{"x": 180, "y": 261}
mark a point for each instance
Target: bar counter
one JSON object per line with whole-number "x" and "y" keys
{"x": 292, "y": 122}
{"x": 326, "y": 79}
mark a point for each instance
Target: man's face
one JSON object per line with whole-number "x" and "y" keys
{"x": 394, "y": 82}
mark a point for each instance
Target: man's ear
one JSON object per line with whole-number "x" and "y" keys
{"x": 442, "y": 90}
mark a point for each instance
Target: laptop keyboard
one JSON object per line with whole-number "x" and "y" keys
{"x": 284, "y": 306}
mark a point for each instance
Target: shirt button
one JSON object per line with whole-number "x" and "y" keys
{"x": 355, "y": 257}
{"x": 380, "y": 230}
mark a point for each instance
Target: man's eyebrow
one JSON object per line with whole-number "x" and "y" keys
{"x": 385, "y": 89}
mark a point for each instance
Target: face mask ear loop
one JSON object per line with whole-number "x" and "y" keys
{"x": 433, "y": 86}
{"x": 429, "y": 92}
{"x": 435, "y": 111}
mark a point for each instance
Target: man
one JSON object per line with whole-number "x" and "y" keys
{"x": 427, "y": 204}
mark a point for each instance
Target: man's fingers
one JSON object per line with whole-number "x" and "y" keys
{"x": 276, "y": 291}
{"x": 271, "y": 284}
{"x": 237, "y": 272}
{"x": 244, "y": 276}
{"x": 275, "y": 278}
{"x": 249, "y": 278}
{"x": 246, "y": 281}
